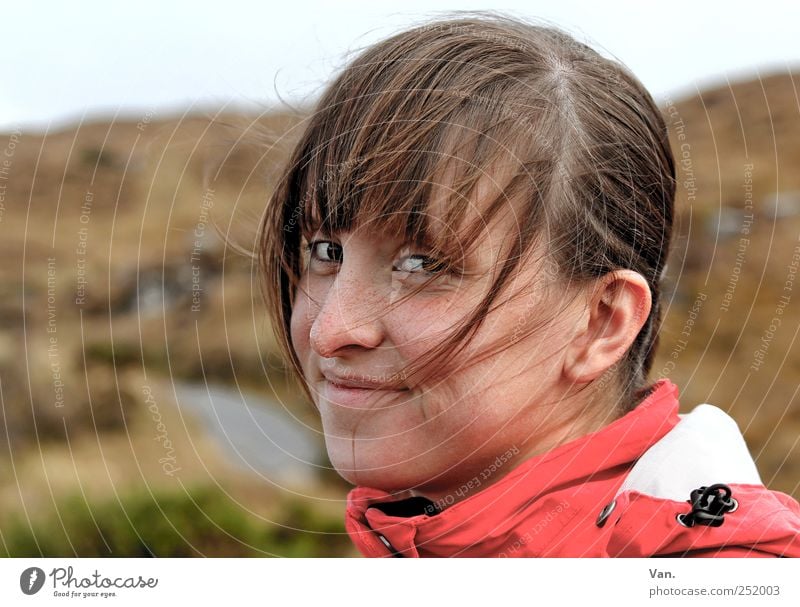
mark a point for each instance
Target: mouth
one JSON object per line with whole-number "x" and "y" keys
{"x": 355, "y": 396}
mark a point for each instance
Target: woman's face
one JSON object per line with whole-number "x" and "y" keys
{"x": 441, "y": 431}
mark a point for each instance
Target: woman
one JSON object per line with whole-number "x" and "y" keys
{"x": 463, "y": 262}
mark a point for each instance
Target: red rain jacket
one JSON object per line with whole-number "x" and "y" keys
{"x": 617, "y": 492}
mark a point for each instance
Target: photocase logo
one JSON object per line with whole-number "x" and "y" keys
{"x": 31, "y": 580}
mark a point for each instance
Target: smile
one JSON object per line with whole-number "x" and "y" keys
{"x": 354, "y": 397}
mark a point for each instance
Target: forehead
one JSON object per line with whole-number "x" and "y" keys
{"x": 489, "y": 219}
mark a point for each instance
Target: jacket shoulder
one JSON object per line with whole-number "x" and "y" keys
{"x": 704, "y": 449}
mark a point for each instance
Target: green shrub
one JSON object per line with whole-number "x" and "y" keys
{"x": 200, "y": 522}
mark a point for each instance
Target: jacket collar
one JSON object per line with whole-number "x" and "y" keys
{"x": 529, "y": 502}
{"x": 706, "y": 447}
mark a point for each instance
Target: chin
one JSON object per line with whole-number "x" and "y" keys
{"x": 378, "y": 466}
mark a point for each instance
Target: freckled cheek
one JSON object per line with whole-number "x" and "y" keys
{"x": 415, "y": 330}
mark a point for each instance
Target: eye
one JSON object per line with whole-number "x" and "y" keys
{"x": 421, "y": 264}
{"x": 324, "y": 251}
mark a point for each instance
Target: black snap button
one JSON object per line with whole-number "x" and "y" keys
{"x": 606, "y": 512}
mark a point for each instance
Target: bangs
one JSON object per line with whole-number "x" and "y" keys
{"x": 422, "y": 180}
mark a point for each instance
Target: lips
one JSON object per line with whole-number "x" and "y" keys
{"x": 345, "y": 382}
{"x": 356, "y": 394}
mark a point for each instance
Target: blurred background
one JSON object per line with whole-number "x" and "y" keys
{"x": 145, "y": 407}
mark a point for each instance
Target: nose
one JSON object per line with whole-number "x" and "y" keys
{"x": 348, "y": 316}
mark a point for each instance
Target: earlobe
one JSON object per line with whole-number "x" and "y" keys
{"x": 616, "y": 312}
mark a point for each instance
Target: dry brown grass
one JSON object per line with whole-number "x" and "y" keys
{"x": 147, "y": 185}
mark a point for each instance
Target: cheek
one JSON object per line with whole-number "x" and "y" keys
{"x": 418, "y": 327}
{"x": 533, "y": 336}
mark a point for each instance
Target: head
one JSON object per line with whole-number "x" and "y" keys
{"x": 472, "y": 228}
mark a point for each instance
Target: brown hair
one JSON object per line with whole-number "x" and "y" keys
{"x": 592, "y": 164}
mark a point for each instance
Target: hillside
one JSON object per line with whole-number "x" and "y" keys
{"x": 115, "y": 268}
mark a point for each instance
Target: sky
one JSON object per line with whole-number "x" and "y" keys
{"x": 68, "y": 61}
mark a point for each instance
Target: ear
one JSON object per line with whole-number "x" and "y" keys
{"x": 618, "y": 308}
